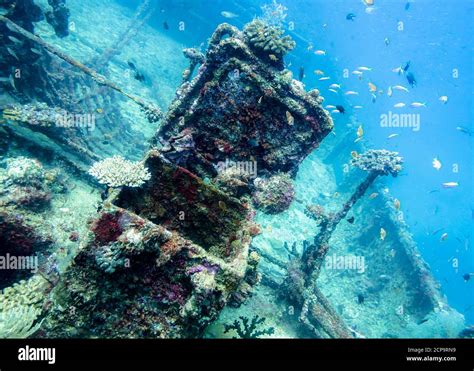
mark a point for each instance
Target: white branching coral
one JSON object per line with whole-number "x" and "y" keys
{"x": 117, "y": 172}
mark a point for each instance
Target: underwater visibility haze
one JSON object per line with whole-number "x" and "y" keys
{"x": 236, "y": 169}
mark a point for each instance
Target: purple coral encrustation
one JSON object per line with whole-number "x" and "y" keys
{"x": 172, "y": 293}
{"x": 204, "y": 266}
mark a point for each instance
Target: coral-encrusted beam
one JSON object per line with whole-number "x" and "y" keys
{"x": 150, "y": 109}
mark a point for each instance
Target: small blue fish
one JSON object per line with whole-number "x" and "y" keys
{"x": 351, "y": 17}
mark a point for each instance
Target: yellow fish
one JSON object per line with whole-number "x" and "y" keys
{"x": 269, "y": 229}
{"x": 360, "y": 133}
{"x": 373, "y": 195}
{"x": 222, "y": 205}
{"x": 372, "y": 88}
{"x": 99, "y": 110}
{"x": 354, "y": 154}
{"x": 369, "y": 2}
{"x": 396, "y": 203}
{"x": 273, "y": 57}
{"x": 289, "y": 118}
{"x": 383, "y": 234}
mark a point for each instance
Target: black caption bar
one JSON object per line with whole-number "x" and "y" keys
{"x": 63, "y": 353}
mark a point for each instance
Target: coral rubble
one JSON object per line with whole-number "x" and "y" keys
{"x": 27, "y": 185}
{"x": 275, "y": 194}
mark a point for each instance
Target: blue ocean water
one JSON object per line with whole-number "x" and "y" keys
{"x": 435, "y": 37}
{"x": 437, "y": 40}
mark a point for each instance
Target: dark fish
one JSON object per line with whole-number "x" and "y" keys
{"x": 407, "y": 6}
{"x": 464, "y": 130}
{"x": 350, "y": 17}
{"x": 341, "y": 109}
{"x": 422, "y": 321}
{"x": 360, "y": 298}
{"x": 411, "y": 79}
{"x": 301, "y": 73}
{"x": 166, "y": 26}
{"x": 406, "y": 67}
{"x": 139, "y": 76}
{"x": 253, "y": 142}
{"x": 104, "y": 194}
{"x": 351, "y": 219}
{"x": 437, "y": 231}
{"x": 466, "y": 277}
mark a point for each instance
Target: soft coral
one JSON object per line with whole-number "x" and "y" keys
{"x": 107, "y": 228}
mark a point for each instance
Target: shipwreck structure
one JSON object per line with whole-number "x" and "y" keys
{"x": 244, "y": 105}
{"x": 163, "y": 259}
{"x": 167, "y": 250}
